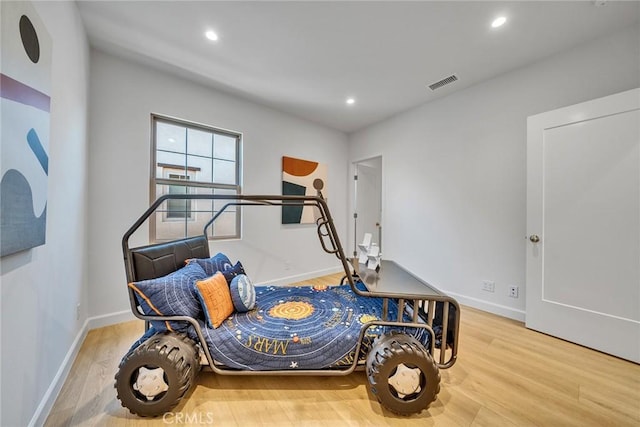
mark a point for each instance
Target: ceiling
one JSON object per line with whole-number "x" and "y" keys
{"x": 306, "y": 57}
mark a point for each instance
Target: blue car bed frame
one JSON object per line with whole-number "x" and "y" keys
{"x": 203, "y": 311}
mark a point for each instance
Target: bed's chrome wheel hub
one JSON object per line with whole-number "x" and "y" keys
{"x": 405, "y": 381}
{"x": 150, "y": 382}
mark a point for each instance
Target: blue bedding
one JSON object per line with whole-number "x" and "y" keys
{"x": 298, "y": 328}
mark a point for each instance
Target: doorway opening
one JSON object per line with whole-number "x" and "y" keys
{"x": 367, "y": 215}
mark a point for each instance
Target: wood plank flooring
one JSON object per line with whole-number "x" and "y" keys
{"x": 506, "y": 375}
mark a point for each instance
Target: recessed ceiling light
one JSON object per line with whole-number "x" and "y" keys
{"x": 351, "y": 101}
{"x": 498, "y": 22}
{"x": 211, "y": 35}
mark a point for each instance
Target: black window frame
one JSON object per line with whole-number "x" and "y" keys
{"x": 192, "y": 184}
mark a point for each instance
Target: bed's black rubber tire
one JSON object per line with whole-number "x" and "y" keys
{"x": 176, "y": 354}
{"x": 391, "y": 350}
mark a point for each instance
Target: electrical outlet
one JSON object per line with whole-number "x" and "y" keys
{"x": 513, "y": 291}
{"x": 488, "y": 285}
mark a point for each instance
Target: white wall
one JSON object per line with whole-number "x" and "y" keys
{"x": 123, "y": 95}
{"x": 41, "y": 287}
{"x": 454, "y": 170}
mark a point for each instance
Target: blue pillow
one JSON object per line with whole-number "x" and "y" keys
{"x": 233, "y": 272}
{"x": 220, "y": 262}
{"x": 171, "y": 295}
{"x": 243, "y": 294}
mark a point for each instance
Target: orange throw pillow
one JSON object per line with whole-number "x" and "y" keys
{"x": 215, "y": 298}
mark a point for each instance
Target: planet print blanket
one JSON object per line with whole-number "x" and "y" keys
{"x": 302, "y": 327}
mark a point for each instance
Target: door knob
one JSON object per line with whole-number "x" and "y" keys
{"x": 534, "y": 238}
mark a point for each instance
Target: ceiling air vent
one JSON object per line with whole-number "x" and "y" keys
{"x": 452, "y": 78}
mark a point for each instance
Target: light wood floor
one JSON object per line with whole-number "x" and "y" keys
{"x": 506, "y": 375}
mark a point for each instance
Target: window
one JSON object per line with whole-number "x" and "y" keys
{"x": 190, "y": 158}
{"x": 180, "y": 209}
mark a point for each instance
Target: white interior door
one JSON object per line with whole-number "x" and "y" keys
{"x": 583, "y": 224}
{"x": 368, "y": 206}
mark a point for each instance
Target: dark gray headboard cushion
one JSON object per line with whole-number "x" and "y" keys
{"x": 150, "y": 262}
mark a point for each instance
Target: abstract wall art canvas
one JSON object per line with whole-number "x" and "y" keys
{"x": 300, "y": 178}
{"x": 25, "y": 88}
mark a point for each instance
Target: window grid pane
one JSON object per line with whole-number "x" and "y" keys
{"x": 198, "y": 155}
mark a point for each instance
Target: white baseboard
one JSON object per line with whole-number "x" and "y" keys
{"x": 301, "y": 277}
{"x": 110, "y": 319}
{"x": 49, "y": 398}
{"x": 500, "y": 310}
